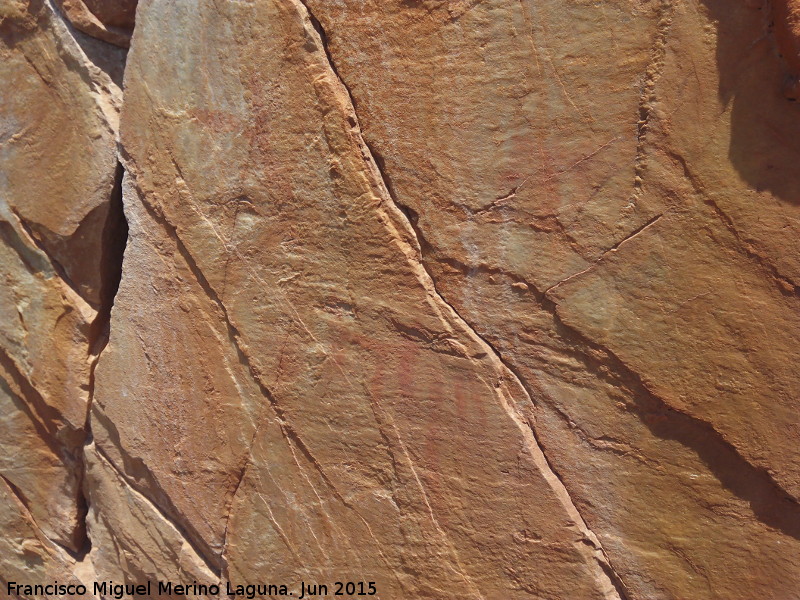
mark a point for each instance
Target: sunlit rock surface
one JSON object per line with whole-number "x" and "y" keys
{"x": 468, "y": 299}
{"x": 60, "y": 235}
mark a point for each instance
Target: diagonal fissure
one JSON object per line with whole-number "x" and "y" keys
{"x": 411, "y": 219}
{"x": 178, "y": 527}
{"x": 770, "y": 502}
{"x": 290, "y": 433}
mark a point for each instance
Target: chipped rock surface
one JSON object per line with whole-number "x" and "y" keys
{"x": 471, "y": 299}
{"x": 108, "y": 20}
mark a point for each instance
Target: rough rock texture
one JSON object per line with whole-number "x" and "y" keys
{"x": 58, "y": 120}
{"x": 108, "y": 20}
{"x": 487, "y": 299}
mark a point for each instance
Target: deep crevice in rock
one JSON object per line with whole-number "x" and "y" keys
{"x": 114, "y": 239}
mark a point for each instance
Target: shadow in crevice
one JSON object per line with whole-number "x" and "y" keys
{"x": 770, "y": 503}
{"x": 765, "y": 125}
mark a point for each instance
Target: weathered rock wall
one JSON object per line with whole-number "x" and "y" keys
{"x": 483, "y": 299}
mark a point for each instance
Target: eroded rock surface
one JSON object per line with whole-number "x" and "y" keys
{"x": 108, "y": 20}
{"x": 58, "y": 165}
{"x": 470, "y": 299}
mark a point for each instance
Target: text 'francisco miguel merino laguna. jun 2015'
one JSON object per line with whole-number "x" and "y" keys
{"x": 118, "y": 591}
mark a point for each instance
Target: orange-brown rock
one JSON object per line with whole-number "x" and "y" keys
{"x": 58, "y": 121}
{"x": 108, "y": 20}
{"x": 786, "y": 21}
{"x": 666, "y": 351}
{"x": 487, "y": 299}
{"x": 368, "y": 428}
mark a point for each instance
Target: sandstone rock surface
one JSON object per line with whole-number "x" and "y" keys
{"x": 481, "y": 299}
{"x": 58, "y": 121}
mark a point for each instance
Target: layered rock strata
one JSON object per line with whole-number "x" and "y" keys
{"x": 61, "y": 235}
{"x": 469, "y": 299}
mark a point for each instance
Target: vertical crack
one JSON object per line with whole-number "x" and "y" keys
{"x": 647, "y": 98}
{"x": 114, "y": 239}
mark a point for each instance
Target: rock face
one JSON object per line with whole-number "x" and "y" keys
{"x": 59, "y": 241}
{"x": 108, "y": 20}
{"x": 466, "y": 299}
